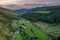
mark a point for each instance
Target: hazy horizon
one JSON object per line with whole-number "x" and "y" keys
{"x": 17, "y": 4}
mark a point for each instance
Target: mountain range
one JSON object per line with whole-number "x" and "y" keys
{"x": 21, "y": 10}
{"x": 48, "y": 14}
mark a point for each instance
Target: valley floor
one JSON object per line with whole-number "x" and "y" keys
{"x": 26, "y": 30}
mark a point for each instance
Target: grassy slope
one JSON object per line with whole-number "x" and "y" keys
{"x": 36, "y": 32}
{"x": 6, "y": 16}
{"x": 53, "y": 12}
{"x": 51, "y": 29}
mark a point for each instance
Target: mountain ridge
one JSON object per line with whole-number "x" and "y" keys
{"x": 43, "y": 14}
{"x": 6, "y": 18}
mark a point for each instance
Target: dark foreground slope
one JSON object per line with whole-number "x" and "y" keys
{"x": 6, "y": 17}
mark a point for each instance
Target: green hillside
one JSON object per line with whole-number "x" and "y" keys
{"x": 28, "y": 31}
{"x": 46, "y": 18}
{"x": 48, "y": 14}
{"x": 41, "y": 23}
{"x": 14, "y": 28}
{"x": 6, "y": 17}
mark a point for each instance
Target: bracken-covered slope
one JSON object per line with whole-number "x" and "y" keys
{"x": 6, "y": 17}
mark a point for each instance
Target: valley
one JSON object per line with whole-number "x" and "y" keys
{"x": 41, "y": 23}
{"x": 28, "y": 30}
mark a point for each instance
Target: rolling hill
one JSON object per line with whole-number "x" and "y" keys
{"x": 46, "y": 18}
{"x": 21, "y": 11}
{"x": 13, "y": 28}
{"x": 48, "y": 14}
{"x": 41, "y": 23}
{"x": 6, "y": 17}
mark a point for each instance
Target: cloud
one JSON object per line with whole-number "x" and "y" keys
{"x": 22, "y": 3}
{"x": 2, "y": 2}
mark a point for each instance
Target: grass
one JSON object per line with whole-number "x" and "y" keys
{"x": 31, "y": 30}
{"x": 52, "y": 29}
{"x": 2, "y": 38}
{"x": 18, "y": 36}
{"x": 44, "y": 12}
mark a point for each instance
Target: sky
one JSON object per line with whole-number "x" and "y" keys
{"x": 15, "y": 4}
